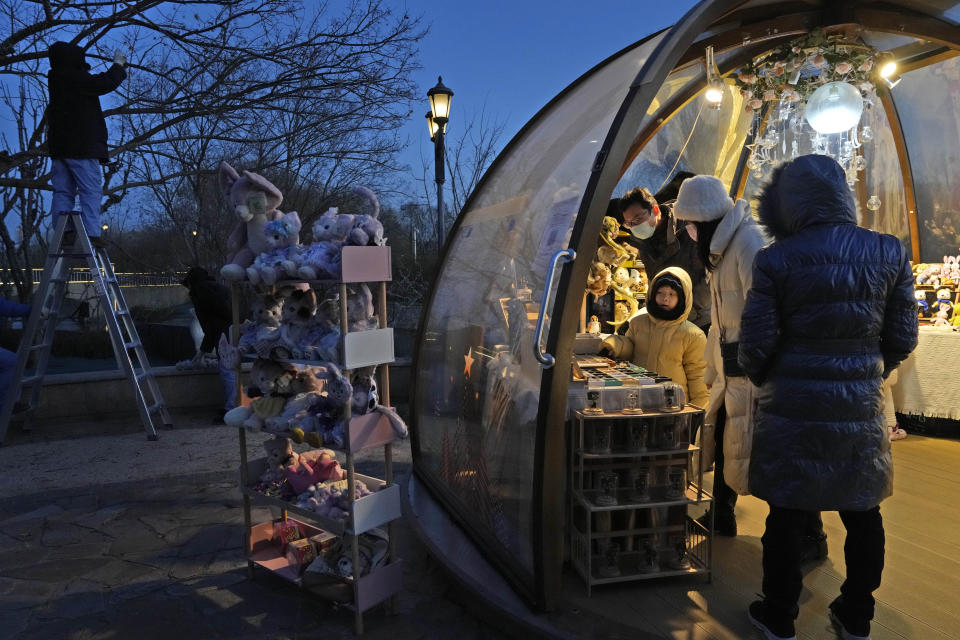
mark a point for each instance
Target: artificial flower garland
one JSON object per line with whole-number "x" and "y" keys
{"x": 794, "y": 71}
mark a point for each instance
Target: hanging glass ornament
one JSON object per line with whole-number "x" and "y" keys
{"x": 873, "y": 204}
{"x": 866, "y": 134}
{"x": 834, "y": 107}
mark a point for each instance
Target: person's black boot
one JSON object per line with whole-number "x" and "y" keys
{"x": 772, "y": 627}
{"x": 846, "y": 628}
{"x": 724, "y": 525}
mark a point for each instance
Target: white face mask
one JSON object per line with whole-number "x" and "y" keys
{"x": 644, "y": 230}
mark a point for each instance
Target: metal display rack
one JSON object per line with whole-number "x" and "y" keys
{"x": 629, "y": 493}
{"x": 382, "y": 506}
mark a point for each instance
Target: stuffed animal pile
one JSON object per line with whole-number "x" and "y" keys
{"x": 307, "y": 404}
{"x": 265, "y": 246}
{"x": 304, "y": 324}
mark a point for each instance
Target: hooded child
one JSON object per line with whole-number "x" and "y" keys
{"x": 663, "y": 339}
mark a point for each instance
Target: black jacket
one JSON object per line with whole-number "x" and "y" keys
{"x": 211, "y": 300}
{"x": 830, "y": 312}
{"x": 672, "y": 247}
{"x": 75, "y": 125}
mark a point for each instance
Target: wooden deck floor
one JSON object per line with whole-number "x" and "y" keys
{"x": 919, "y": 598}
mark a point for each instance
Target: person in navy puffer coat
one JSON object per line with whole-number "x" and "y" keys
{"x": 829, "y": 315}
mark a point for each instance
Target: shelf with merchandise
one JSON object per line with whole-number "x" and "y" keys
{"x": 380, "y": 506}
{"x": 363, "y": 432}
{"x": 631, "y": 482}
{"x": 370, "y": 346}
{"x": 373, "y": 587}
{"x": 684, "y": 549}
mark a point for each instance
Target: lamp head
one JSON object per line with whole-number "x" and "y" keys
{"x": 440, "y": 96}
{"x": 432, "y": 126}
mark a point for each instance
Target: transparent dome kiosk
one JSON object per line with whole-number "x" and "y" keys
{"x": 493, "y": 362}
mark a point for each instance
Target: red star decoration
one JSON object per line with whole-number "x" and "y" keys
{"x": 468, "y": 362}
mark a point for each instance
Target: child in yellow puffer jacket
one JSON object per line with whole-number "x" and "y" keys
{"x": 663, "y": 340}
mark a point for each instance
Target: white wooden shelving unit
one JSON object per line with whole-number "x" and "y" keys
{"x": 382, "y": 506}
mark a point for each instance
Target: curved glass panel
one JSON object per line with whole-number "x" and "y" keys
{"x": 883, "y": 178}
{"x": 478, "y": 383}
{"x": 927, "y": 102}
{"x": 697, "y": 138}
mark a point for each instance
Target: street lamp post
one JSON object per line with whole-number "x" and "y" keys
{"x": 437, "y": 119}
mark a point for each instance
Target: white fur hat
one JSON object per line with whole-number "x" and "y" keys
{"x": 702, "y": 198}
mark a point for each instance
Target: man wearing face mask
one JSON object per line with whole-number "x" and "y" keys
{"x": 662, "y": 243}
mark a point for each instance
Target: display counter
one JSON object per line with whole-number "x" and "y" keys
{"x": 926, "y": 384}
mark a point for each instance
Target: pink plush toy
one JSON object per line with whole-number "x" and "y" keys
{"x": 255, "y": 200}
{"x": 943, "y": 315}
{"x": 312, "y": 467}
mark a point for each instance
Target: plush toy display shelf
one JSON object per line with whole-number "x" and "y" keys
{"x": 381, "y": 507}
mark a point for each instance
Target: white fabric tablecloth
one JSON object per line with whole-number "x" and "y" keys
{"x": 928, "y": 383}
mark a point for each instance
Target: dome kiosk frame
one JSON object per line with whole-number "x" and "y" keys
{"x": 522, "y": 541}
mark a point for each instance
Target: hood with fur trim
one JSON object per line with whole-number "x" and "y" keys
{"x": 811, "y": 190}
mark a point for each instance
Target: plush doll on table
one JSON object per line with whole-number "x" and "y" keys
{"x": 944, "y": 297}
{"x": 923, "y": 308}
{"x": 282, "y": 237}
{"x": 254, "y": 199}
{"x": 930, "y": 275}
{"x": 942, "y": 317}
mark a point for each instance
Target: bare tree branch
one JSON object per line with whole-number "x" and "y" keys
{"x": 309, "y": 92}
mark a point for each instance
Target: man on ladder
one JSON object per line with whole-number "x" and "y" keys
{"x": 77, "y": 142}
{"x": 77, "y": 132}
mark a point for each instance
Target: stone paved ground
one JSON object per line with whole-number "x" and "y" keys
{"x": 160, "y": 556}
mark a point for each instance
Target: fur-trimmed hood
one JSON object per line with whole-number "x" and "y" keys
{"x": 811, "y": 190}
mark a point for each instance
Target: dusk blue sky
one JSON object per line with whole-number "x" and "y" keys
{"x": 518, "y": 55}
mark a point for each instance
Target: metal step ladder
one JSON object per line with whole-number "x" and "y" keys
{"x": 39, "y": 332}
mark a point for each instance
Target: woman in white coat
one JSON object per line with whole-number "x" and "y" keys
{"x": 728, "y": 238}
